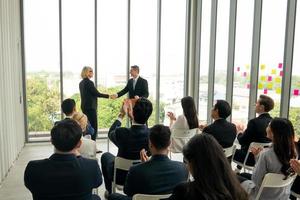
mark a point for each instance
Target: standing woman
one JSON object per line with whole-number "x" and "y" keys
{"x": 89, "y": 95}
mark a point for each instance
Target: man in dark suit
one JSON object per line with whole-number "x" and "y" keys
{"x": 256, "y": 129}
{"x": 129, "y": 141}
{"x": 136, "y": 86}
{"x": 158, "y": 175}
{"x": 64, "y": 175}
{"x": 68, "y": 107}
{"x": 222, "y": 130}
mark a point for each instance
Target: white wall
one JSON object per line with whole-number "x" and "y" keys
{"x": 12, "y": 135}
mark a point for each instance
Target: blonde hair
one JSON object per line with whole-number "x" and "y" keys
{"x": 85, "y": 70}
{"x": 81, "y": 119}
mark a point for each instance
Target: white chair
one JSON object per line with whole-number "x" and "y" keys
{"x": 272, "y": 180}
{"x": 180, "y": 137}
{"x": 150, "y": 197}
{"x": 229, "y": 151}
{"x": 123, "y": 164}
{"x": 253, "y": 144}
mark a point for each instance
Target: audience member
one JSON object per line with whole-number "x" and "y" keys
{"x": 222, "y": 130}
{"x": 88, "y": 147}
{"x": 188, "y": 120}
{"x": 295, "y": 164}
{"x": 64, "y": 175}
{"x": 256, "y": 129}
{"x": 211, "y": 172}
{"x": 273, "y": 160}
{"x": 130, "y": 141}
{"x": 157, "y": 175}
{"x": 68, "y": 107}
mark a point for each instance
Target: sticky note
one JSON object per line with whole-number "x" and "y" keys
{"x": 248, "y": 86}
{"x": 244, "y": 74}
{"x": 238, "y": 69}
{"x": 262, "y": 66}
{"x": 278, "y": 79}
{"x": 269, "y": 78}
{"x": 265, "y": 91}
{"x": 273, "y": 71}
{"x": 247, "y": 66}
{"x": 278, "y": 90}
{"x": 260, "y": 86}
{"x": 296, "y": 92}
{"x": 281, "y": 73}
{"x": 280, "y": 65}
{"x": 270, "y": 86}
{"x": 262, "y": 78}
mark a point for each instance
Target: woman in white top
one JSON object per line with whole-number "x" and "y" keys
{"x": 88, "y": 146}
{"x": 183, "y": 123}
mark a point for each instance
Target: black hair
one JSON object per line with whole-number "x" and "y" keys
{"x": 160, "y": 136}
{"x": 190, "y": 112}
{"x": 223, "y": 107}
{"x": 142, "y": 110}
{"x": 135, "y": 67}
{"x": 68, "y": 106}
{"x": 66, "y": 135}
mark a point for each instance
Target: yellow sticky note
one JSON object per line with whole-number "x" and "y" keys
{"x": 273, "y": 71}
{"x": 263, "y": 78}
{"x": 270, "y": 86}
{"x": 278, "y": 80}
{"x": 247, "y": 66}
{"x": 278, "y": 90}
{"x": 260, "y": 86}
{"x": 262, "y": 66}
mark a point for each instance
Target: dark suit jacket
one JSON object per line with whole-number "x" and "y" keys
{"x": 141, "y": 88}
{"x": 223, "y": 131}
{"x": 182, "y": 192}
{"x": 89, "y": 94}
{"x": 62, "y": 177}
{"x": 157, "y": 176}
{"x": 255, "y": 132}
{"x": 130, "y": 141}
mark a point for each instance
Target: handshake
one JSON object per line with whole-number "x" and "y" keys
{"x": 113, "y": 96}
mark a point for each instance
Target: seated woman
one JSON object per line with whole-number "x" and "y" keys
{"x": 273, "y": 160}
{"x": 182, "y": 123}
{"x": 88, "y": 146}
{"x": 213, "y": 177}
{"x": 295, "y": 164}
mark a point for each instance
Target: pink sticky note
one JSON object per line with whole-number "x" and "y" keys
{"x": 248, "y": 86}
{"x": 244, "y": 74}
{"x": 281, "y": 73}
{"x": 296, "y": 92}
{"x": 238, "y": 69}
{"x": 269, "y": 78}
{"x": 265, "y": 91}
{"x": 280, "y": 65}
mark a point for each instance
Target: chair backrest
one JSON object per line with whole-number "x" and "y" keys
{"x": 150, "y": 197}
{"x": 229, "y": 151}
{"x": 123, "y": 164}
{"x": 272, "y": 180}
{"x": 180, "y": 137}
{"x": 255, "y": 144}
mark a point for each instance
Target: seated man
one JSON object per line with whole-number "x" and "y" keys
{"x": 158, "y": 175}
{"x": 130, "y": 141}
{"x": 64, "y": 175}
{"x": 222, "y": 130}
{"x": 256, "y": 129}
{"x": 68, "y": 107}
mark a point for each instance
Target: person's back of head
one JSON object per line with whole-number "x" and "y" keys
{"x": 142, "y": 110}
{"x": 81, "y": 119}
{"x": 267, "y": 102}
{"x": 160, "y": 137}
{"x": 212, "y": 173}
{"x": 281, "y": 131}
{"x": 68, "y": 106}
{"x": 66, "y": 135}
{"x": 223, "y": 107}
{"x": 190, "y": 112}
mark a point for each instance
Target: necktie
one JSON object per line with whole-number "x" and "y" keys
{"x": 134, "y": 82}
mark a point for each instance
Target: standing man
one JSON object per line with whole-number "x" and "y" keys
{"x": 136, "y": 86}
{"x": 89, "y": 95}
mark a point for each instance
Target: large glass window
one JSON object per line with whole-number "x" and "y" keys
{"x": 77, "y": 43}
{"x": 112, "y": 47}
{"x": 41, "y": 36}
{"x": 243, "y": 49}
{"x": 204, "y": 60}
{"x": 143, "y": 36}
{"x": 272, "y": 50}
{"x": 295, "y": 88}
{"x": 172, "y": 57}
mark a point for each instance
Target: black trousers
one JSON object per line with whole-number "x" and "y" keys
{"x": 92, "y": 117}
